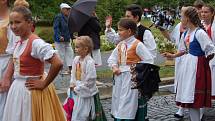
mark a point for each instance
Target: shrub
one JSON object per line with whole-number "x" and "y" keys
{"x": 45, "y": 33}
{"x": 105, "y": 45}
{"x": 44, "y": 23}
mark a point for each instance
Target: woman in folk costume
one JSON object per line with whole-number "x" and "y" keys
{"x": 194, "y": 88}
{"x": 7, "y": 41}
{"x": 31, "y": 96}
{"x": 208, "y": 21}
{"x": 83, "y": 84}
{"x": 25, "y": 4}
{"x": 125, "y": 101}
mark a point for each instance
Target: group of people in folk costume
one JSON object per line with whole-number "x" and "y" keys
{"x": 194, "y": 85}
{"x": 27, "y": 92}
{"x": 31, "y": 95}
{"x": 194, "y": 39}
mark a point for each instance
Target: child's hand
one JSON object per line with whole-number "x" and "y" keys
{"x": 168, "y": 55}
{"x": 72, "y": 86}
{"x": 116, "y": 71}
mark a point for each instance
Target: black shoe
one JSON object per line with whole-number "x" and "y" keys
{"x": 178, "y": 116}
{"x": 146, "y": 119}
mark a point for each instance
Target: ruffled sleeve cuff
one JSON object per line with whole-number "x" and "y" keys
{"x": 42, "y": 50}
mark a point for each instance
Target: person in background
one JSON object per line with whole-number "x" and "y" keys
{"x": 198, "y": 5}
{"x": 134, "y": 12}
{"x": 92, "y": 29}
{"x": 7, "y": 42}
{"x": 62, "y": 37}
{"x": 208, "y": 21}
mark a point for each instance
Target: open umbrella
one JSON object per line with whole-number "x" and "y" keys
{"x": 80, "y": 13}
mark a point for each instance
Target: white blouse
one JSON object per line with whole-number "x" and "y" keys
{"x": 86, "y": 87}
{"x": 203, "y": 39}
{"x": 40, "y": 50}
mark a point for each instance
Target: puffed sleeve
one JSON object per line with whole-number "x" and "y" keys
{"x": 144, "y": 54}
{"x": 205, "y": 42}
{"x": 42, "y": 50}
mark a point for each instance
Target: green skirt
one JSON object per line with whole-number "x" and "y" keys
{"x": 100, "y": 115}
{"x": 141, "y": 111}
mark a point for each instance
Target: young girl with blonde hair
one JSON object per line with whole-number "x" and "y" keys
{"x": 87, "y": 104}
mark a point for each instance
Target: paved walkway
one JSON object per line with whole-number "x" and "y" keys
{"x": 162, "y": 108}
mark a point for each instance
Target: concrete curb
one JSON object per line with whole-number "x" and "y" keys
{"x": 105, "y": 89}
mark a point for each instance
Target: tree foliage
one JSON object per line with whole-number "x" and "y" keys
{"x": 47, "y": 9}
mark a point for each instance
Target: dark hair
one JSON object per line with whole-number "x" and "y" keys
{"x": 193, "y": 16}
{"x": 24, "y": 11}
{"x": 198, "y": 4}
{"x": 135, "y": 10}
{"x": 8, "y": 3}
{"x": 86, "y": 41}
{"x": 128, "y": 24}
{"x": 211, "y": 9}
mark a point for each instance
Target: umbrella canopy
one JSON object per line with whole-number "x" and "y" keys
{"x": 80, "y": 13}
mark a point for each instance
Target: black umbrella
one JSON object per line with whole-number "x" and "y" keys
{"x": 80, "y": 13}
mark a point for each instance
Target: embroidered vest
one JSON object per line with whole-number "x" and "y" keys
{"x": 131, "y": 55}
{"x": 30, "y": 66}
{"x": 3, "y": 35}
{"x": 78, "y": 71}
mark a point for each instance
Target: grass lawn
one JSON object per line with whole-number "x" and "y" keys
{"x": 165, "y": 71}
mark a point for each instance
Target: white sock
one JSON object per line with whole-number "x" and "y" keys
{"x": 180, "y": 111}
{"x": 194, "y": 114}
{"x": 202, "y": 110}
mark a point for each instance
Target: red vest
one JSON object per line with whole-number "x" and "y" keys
{"x": 30, "y": 66}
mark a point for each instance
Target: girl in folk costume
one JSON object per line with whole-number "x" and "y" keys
{"x": 125, "y": 103}
{"x": 209, "y": 23}
{"x": 194, "y": 88}
{"x": 175, "y": 37}
{"x": 31, "y": 96}
{"x": 7, "y": 41}
{"x": 87, "y": 105}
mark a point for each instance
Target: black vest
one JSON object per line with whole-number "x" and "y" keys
{"x": 140, "y": 32}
